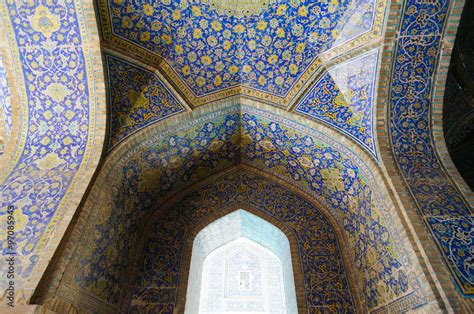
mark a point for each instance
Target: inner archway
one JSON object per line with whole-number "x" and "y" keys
{"x": 241, "y": 263}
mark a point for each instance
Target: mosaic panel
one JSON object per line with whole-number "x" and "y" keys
{"x": 57, "y": 92}
{"x": 169, "y": 162}
{"x": 5, "y": 103}
{"x": 442, "y": 207}
{"x": 267, "y": 46}
{"x": 325, "y": 171}
{"x": 164, "y": 166}
{"x": 137, "y": 98}
{"x": 344, "y": 97}
{"x": 325, "y": 278}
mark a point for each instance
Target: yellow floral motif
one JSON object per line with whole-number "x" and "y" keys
{"x": 281, "y": 9}
{"x": 306, "y": 161}
{"x": 166, "y": 39}
{"x": 206, "y": 60}
{"x": 262, "y": 80}
{"x": 300, "y": 47}
{"x": 176, "y": 15}
{"x": 197, "y": 33}
{"x": 303, "y": 11}
{"x": 217, "y": 80}
{"x": 233, "y": 69}
{"x": 186, "y": 70}
{"x": 145, "y": 36}
{"x": 293, "y": 69}
{"x": 332, "y": 179}
{"x": 148, "y": 9}
{"x": 44, "y": 21}
{"x": 57, "y": 91}
{"x": 280, "y": 32}
{"x": 217, "y": 26}
{"x": 267, "y": 145}
{"x": 272, "y": 59}
{"x": 49, "y": 162}
{"x": 239, "y": 28}
{"x": 227, "y": 45}
{"x": 201, "y": 81}
{"x": 178, "y": 49}
{"x": 196, "y": 10}
{"x": 247, "y": 68}
{"x": 262, "y": 25}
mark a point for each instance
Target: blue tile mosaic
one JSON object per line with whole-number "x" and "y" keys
{"x": 137, "y": 98}
{"x": 5, "y": 102}
{"x": 266, "y": 45}
{"x": 325, "y": 279}
{"x": 176, "y": 160}
{"x": 344, "y": 97}
{"x": 440, "y": 204}
{"x": 57, "y": 93}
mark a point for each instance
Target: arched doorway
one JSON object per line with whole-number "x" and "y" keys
{"x": 241, "y": 263}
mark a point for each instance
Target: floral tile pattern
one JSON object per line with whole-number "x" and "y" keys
{"x": 55, "y": 143}
{"x": 267, "y": 46}
{"x": 344, "y": 97}
{"x": 137, "y": 98}
{"x": 240, "y": 134}
{"x": 325, "y": 280}
{"x": 441, "y": 205}
{"x": 5, "y": 103}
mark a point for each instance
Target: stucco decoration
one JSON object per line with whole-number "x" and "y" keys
{"x": 167, "y": 161}
{"x": 442, "y": 207}
{"x": 264, "y": 49}
{"x": 325, "y": 282}
{"x": 55, "y": 156}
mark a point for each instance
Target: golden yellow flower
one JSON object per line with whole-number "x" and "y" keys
{"x": 293, "y": 69}
{"x": 176, "y": 14}
{"x": 44, "y": 21}
{"x": 145, "y": 36}
{"x": 217, "y": 26}
{"x": 262, "y": 80}
{"x": 281, "y": 9}
{"x": 206, "y": 60}
{"x": 217, "y": 80}
{"x": 197, "y": 33}
{"x": 246, "y": 68}
{"x": 239, "y": 28}
{"x": 227, "y": 45}
{"x": 262, "y": 25}
{"x": 233, "y": 69}
{"x": 148, "y": 9}
{"x": 196, "y": 10}
{"x": 272, "y": 59}
{"x": 300, "y": 47}
{"x": 280, "y": 32}
{"x": 303, "y": 11}
{"x": 166, "y": 39}
{"x": 185, "y": 70}
{"x": 178, "y": 49}
{"x": 200, "y": 81}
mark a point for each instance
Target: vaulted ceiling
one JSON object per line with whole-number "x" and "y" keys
{"x": 335, "y": 100}
{"x": 319, "y": 59}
